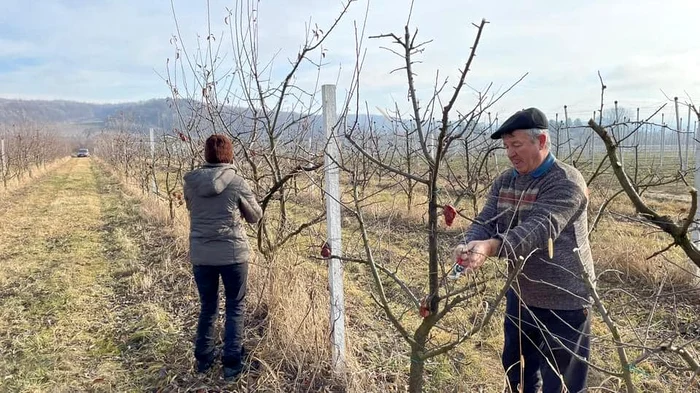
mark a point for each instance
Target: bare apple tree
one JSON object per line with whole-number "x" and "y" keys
{"x": 430, "y": 167}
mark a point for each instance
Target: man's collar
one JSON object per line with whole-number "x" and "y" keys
{"x": 541, "y": 170}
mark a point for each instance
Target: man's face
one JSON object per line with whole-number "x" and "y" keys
{"x": 524, "y": 153}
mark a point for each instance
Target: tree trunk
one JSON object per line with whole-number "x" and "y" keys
{"x": 433, "y": 270}
{"x": 415, "y": 376}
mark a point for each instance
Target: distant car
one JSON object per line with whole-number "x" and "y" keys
{"x": 83, "y": 153}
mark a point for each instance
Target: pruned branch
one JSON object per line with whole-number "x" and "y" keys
{"x": 494, "y": 306}
{"x": 386, "y": 271}
{"x": 383, "y": 301}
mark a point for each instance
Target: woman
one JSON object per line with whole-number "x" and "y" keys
{"x": 218, "y": 199}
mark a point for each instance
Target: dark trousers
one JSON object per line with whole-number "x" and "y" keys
{"x": 539, "y": 336}
{"x": 234, "y": 278}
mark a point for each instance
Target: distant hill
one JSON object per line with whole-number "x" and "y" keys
{"x": 151, "y": 113}
{"x": 79, "y": 118}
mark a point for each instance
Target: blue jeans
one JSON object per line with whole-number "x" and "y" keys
{"x": 207, "y": 279}
{"x": 538, "y": 335}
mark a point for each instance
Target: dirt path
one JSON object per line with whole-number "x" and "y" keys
{"x": 76, "y": 313}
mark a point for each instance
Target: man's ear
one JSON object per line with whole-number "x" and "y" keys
{"x": 542, "y": 140}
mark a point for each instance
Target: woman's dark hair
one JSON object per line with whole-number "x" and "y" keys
{"x": 218, "y": 150}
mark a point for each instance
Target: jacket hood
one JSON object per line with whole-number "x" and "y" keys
{"x": 210, "y": 179}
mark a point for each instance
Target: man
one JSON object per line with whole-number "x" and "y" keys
{"x": 537, "y": 213}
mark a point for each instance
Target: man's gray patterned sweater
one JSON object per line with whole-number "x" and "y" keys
{"x": 525, "y": 211}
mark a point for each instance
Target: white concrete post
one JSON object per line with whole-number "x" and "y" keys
{"x": 696, "y": 231}
{"x": 678, "y": 133}
{"x": 687, "y": 140}
{"x": 615, "y": 132}
{"x": 333, "y": 223}
{"x": 648, "y": 139}
{"x": 636, "y": 135}
{"x": 663, "y": 141}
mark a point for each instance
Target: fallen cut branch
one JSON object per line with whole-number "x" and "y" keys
{"x": 693, "y": 364}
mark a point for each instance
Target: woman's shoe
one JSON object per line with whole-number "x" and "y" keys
{"x": 205, "y": 365}
{"x": 232, "y": 373}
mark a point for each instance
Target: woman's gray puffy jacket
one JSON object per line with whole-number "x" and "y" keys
{"x": 218, "y": 200}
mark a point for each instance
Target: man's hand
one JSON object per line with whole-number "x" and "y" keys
{"x": 473, "y": 254}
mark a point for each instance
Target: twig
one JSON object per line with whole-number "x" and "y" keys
{"x": 617, "y": 339}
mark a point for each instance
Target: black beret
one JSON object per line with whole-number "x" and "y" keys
{"x": 522, "y": 120}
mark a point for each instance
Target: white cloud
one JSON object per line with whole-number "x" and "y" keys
{"x": 111, "y": 50}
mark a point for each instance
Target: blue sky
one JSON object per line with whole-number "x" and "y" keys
{"x": 114, "y": 50}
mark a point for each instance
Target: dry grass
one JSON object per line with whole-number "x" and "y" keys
{"x": 624, "y": 242}
{"x": 117, "y": 286}
{"x": 17, "y": 184}
{"x": 54, "y": 311}
{"x": 287, "y": 318}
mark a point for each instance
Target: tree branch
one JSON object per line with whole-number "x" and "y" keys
{"x": 679, "y": 233}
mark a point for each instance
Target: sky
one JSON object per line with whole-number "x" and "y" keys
{"x": 110, "y": 51}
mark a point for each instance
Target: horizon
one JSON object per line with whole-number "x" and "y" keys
{"x": 583, "y": 119}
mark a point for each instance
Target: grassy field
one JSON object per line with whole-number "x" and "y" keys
{"x": 82, "y": 284}
{"x": 96, "y": 295}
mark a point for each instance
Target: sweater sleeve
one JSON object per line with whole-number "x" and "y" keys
{"x": 484, "y": 226}
{"x": 248, "y": 205}
{"x": 556, "y": 206}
